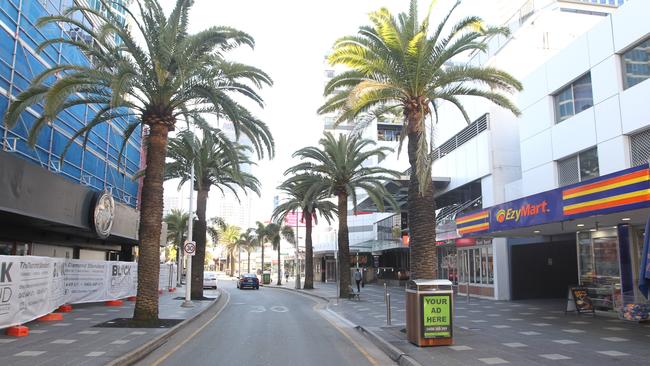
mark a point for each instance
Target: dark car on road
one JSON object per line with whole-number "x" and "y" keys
{"x": 248, "y": 280}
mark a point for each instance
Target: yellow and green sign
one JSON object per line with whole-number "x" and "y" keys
{"x": 436, "y": 316}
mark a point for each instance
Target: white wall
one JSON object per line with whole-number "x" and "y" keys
{"x": 616, "y": 112}
{"x": 94, "y": 255}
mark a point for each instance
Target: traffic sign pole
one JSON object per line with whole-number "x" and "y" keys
{"x": 188, "y": 277}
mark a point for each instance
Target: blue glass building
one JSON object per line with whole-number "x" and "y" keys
{"x": 45, "y": 202}
{"x": 95, "y": 166}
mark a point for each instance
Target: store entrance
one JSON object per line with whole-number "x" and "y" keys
{"x": 543, "y": 270}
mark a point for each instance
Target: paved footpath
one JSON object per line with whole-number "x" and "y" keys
{"x": 488, "y": 332}
{"x": 75, "y": 340}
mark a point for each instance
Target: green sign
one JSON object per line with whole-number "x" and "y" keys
{"x": 436, "y": 316}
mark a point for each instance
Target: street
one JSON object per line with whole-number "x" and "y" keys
{"x": 269, "y": 327}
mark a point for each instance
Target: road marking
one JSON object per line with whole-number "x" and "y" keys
{"x": 258, "y": 309}
{"x": 279, "y": 309}
{"x": 354, "y": 343}
{"x": 181, "y": 344}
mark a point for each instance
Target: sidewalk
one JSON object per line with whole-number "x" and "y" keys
{"x": 488, "y": 332}
{"x": 76, "y": 341}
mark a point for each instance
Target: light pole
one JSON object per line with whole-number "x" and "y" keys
{"x": 297, "y": 255}
{"x": 188, "y": 278}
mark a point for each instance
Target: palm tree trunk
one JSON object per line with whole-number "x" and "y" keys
{"x": 146, "y": 306}
{"x": 344, "y": 247}
{"x": 232, "y": 264}
{"x": 249, "y": 262}
{"x": 421, "y": 215}
{"x": 228, "y": 262}
{"x": 279, "y": 272}
{"x": 262, "y": 261}
{"x": 309, "y": 254}
{"x": 199, "y": 236}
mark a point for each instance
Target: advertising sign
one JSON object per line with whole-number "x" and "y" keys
{"x": 579, "y": 300}
{"x": 436, "y": 316}
{"x": 532, "y": 210}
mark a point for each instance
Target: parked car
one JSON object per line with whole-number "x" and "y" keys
{"x": 248, "y": 280}
{"x": 210, "y": 280}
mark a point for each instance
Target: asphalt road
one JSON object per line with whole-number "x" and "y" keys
{"x": 269, "y": 327}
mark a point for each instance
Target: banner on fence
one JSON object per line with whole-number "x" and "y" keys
{"x": 31, "y": 287}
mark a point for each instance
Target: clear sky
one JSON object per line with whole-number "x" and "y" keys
{"x": 292, "y": 38}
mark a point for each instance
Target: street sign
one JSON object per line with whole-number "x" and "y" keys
{"x": 190, "y": 247}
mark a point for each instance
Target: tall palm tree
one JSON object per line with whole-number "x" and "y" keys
{"x": 249, "y": 243}
{"x": 152, "y": 82}
{"x": 402, "y": 63}
{"x": 229, "y": 236}
{"x": 262, "y": 238}
{"x": 337, "y": 168}
{"x": 274, "y": 234}
{"x": 217, "y": 164}
{"x": 310, "y": 206}
{"x": 177, "y": 221}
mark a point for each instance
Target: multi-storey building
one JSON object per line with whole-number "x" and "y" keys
{"x": 46, "y": 201}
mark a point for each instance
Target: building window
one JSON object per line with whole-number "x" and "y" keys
{"x": 476, "y": 265}
{"x": 574, "y": 98}
{"x": 640, "y": 147}
{"x": 329, "y": 74}
{"x": 578, "y": 168}
{"x": 636, "y": 64}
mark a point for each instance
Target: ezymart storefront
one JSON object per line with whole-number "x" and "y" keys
{"x": 588, "y": 234}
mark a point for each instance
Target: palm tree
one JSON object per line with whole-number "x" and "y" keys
{"x": 310, "y": 206}
{"x": 274, "y": 234}
{"x": 176, "y": 222}
{"x": 217, "y": 164}
{"x": 401, "y": 63}
{"x": 151, "y": 83}
{"x": 229, "y": 236}
{"x": 248, "y": 241}
{"x": 262, "y": 238}
{"x": 214, "y": 229}
{"x": 337, "y": 168}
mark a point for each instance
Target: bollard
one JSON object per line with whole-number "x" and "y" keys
{"x": 388, "y": 309}
{"x": 385, "y": 292}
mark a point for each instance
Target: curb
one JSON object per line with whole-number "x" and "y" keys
{"x": 141, "y": 352}
{"x": 306, "y": 292}
{"x": 391, "y": 351}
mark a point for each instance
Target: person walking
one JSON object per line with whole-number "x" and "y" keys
{"x": 286, "y": 275}
{"x": 357, "y": 278}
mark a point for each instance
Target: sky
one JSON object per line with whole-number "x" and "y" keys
{"x": 292, "y": 39}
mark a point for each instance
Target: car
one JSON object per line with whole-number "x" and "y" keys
{"x": 248, "y": 280}
{"x": 210, "y": 280}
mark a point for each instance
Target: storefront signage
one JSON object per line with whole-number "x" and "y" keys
{"x": 436, "y": 316}
{"x": 579, "y": 300}
{"x": 617, "y": 192}
{"x": 533, "y": 210}
{"x": 103, "y": 214}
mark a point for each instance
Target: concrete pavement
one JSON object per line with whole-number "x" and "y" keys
{"x": 76, "y": 341}
{"x": 489, "y": 332}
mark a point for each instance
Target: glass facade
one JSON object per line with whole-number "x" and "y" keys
{"x": 598, "y": 263}
{"x": 574, "y": 98}
{"x": 476, "y": 265}
{"x": 94, "y": 166}
{"x": 636, "y": 64}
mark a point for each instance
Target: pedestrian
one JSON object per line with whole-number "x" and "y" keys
{"x": 357, "y": 278}
{"x": 286, "y": 275}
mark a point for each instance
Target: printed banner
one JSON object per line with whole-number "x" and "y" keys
{"x": 31, "y": 287}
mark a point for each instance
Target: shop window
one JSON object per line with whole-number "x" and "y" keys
{"x": 574, "y": 98}
{"x": 476, "y": 265}
{"x": 599, "y": 267}
{"x": 636, "y": 64}
{"x": 578, "y": 168}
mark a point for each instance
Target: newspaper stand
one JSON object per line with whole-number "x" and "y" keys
{"x": 429, "y": 312}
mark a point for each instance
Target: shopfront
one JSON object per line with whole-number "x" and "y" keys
{"x": 589, "y": 234}
{"x": 475, "y": 262}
